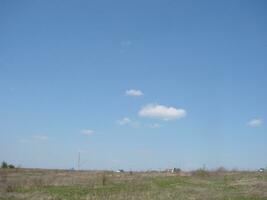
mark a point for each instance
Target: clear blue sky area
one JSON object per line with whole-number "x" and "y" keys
{"x": 144, "y": 84}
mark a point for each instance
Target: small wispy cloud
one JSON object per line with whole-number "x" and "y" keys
{"x": 40, "y": 137}
{"x": 127, "y": 121}
{"x": 254, "y": 123}
{"x": 162, "y": 112}
{"x": 155, "y": 125}
{"x": 134, "y": 93}
{"x": 87, "y": 132}
{"x": 35, "y": 138}
{"x": 124, "y": 121}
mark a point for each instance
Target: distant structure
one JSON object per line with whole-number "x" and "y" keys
{"x": 173, "y": 170}
{"x": 120, "y": 171}
{"x": 261, "y": 170}
{"x": 176, "y": 170}
{"x": 72, "y": 169}
{"x": 168, "y": 170}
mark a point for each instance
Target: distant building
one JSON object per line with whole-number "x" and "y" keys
{"x": 176, "y": 170}
{"x": 261, "y": 170}
{"x": 168, "y": 170}
{"x": 120, "y": 171}
{"x": 173, "y": 170}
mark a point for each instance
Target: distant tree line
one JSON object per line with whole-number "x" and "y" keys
{"x": 5, "y": 165}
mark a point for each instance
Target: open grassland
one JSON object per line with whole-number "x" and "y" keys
{"x": 22, "y": 184}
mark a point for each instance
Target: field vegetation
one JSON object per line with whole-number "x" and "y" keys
{"x": 31, "y": 184}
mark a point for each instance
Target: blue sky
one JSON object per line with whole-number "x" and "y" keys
{"x": 133, "y": 84}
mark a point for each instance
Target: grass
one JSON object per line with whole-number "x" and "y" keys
{"x": 88, "y": 185}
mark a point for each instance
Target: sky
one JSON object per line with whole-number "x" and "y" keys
{"x": 134, "y": 85}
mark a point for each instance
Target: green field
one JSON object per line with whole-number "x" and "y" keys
{"x": 25, "y": 184}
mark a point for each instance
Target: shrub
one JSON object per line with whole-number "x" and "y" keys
{"x": 10, "y": 188}
{"x": 221, "y": 169}
{"x": 104, "y": 179}
{"x": 5, "y": 165}
{"x": 201, "y": 173}
{"x": 11, "y": 166}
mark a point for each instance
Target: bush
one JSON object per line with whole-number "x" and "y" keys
{"x": 104, "y": 179}
{"x": 11, "y": 166}
{"x": 221, "y": 169}
{"x": 201, "y": 173}
{"x": 10, "y": 188}
{"x": 5, "y": 165}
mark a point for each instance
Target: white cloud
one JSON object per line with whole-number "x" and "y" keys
{"x": 40, "y": 137}
{"x": 255, "y": 123}
{"x": 35, "y": 138}
{"x": 134, "y": 93}
{"x": 124, "y": 121}
{"x": 128, "y": 121}
{"x": 162, "y": 112}
{"x": 87, "y": 132}
{"x": 155, "y": 125}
